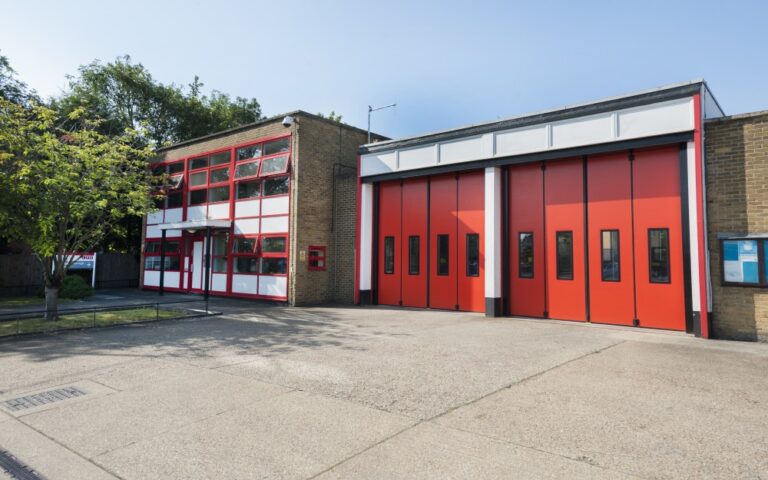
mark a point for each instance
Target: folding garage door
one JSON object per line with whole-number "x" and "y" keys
{"x": 430, "y": 242}
{"x": 599, "y": 238}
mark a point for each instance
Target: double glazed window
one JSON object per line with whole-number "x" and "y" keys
{"x": 658, "y": 255}
{"x": 170, "y": 179}
{"x": 413, "y": 255}
{"x": 389, "y": 255}
{"x": 443, "y": 254}
{"x": 525, "y": 255}
{"x": 266, "y": 255}
{"x": 153, "y": 255}
{"x": 209, "y": 178}
{"x": 473, "y": 255}
{"x": 564, "y": 245}
{"x": 268, "y": 160}
{"x": 609, "y": 256}
{"x": 219, "y": 253}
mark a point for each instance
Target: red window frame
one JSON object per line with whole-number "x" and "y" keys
{"x": 254, "y": 253}
{"x": 316, "y": 258}
{"x": 214, "y": 255}
{"x": 176, "y": 253}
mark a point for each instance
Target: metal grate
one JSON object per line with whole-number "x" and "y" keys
{"x": 13, "y": 467}
{"x": 43, "y": 398}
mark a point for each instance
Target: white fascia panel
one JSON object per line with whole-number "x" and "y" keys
{"x": 151, "y": 278}
{"x": 153, "y": 232}
{"x": 413, "y": 158}
{"x": 155, "y": 217}
{"x": 275, "y": 206}
{"x": 377, "y": 163}
{"x": 521, "y": 140}
{"x": 247, "y": 208}
{"x": 656, "y": 119}
{"x": 582, "y": 131}
{"x": 463, "y": 150}
{"x": 170, "y": 279}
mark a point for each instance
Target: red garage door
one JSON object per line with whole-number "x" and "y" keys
{"x": 414, "y": 243}
{"x": 389, "y": 241}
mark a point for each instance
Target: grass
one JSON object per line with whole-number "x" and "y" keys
{"x": 25, "y": 301}
{"x": 69, "y": 321}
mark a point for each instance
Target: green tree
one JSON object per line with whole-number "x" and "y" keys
{"x": 333, "y": 116}
{"x": 65, "y": 189}
{"x": 11, "y": 88}
{"x": 124, "y": 95}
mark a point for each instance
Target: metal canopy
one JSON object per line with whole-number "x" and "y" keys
{"x": 195, "y": 224}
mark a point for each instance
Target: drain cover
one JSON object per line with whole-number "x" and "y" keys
{"x": 42, "y": 398}
{"x": 16, "y": 469}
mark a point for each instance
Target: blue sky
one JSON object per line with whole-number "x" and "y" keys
{"x": 446, "y": 64}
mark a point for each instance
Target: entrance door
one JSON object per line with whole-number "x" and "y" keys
{"x": 196, "y": 265}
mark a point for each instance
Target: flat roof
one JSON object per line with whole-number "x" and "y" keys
{"x": 643, "y": 97}
{"x": 259, "y": 123}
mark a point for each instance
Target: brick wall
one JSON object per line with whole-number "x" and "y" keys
{"x": 737, "y": 203}
{"x": 325, "y": 207}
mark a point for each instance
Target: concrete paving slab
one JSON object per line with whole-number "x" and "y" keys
{"x": 45, "y": 456}
{"x": 428, "y": 372}
{"x": 186, "y": 395}
{"x": 651, "y": 410}
{"x": 50, "y": 397}
{"x": 430, "y": 451}
{"x": 296, "y": 435}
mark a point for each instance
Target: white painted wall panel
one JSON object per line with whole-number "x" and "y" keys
{"x": 244, "y": 284}
{"x": 170, "y": 280}
{"x": 153, "y": 231}
{"x": 492, "y": 204}
{"x": 421, "y": 157}
{"x": 274, "y": 224}
{"x": 660, "y": 118}
{"x": 172, "y": 233}
{"x": 174, "y": 215}
{"x": 247, "y": 208}
{"x": 248, "y": 225}
{"x": 461, "y": 150}
{"x": 196, "y": 213}
{"x": 151, "y": 278}
{"x": 379, "y": 163}
{"x": 218, "y": 211}
{"x": 155, "y": 217}
{"x": 273, "y": 286}
{"x": 582, "y": 131}
{"x": 219, "y": 282}
{"x": 522, "y": 140}
{"x": 366, "y": 235}
{"x": 275, "y": 206}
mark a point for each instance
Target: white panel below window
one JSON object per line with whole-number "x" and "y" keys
{"x": 153, "y": 231}
{"x": 273, "y": 286}
{"x": 219, "y": 282}
{"x": 274, "y": 224}
{"x": 274, "y": 206}
{"x": 247, "y": 208}
{"x": 171, "y": 280}
{"x": 173, "y": 215}
{"x": 218, "y": 210}
{"x": 151, "y": 278}
{"x": 155, "y": 217}
{"x": 244, "y": 284}
{"x": 172, "y": 233}
{"x": 247, "y": 225}
{"x": 196, "y": 213}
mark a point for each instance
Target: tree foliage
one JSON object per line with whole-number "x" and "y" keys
{"x": 11, "y": 88}
{"x": 124, "y": 95}
{"x": 65, "y": 189}
{"x": 333, "y": 116}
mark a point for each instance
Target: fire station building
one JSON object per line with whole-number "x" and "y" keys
{"x": 262, "y": 211}
{"x": 594, "y": 212}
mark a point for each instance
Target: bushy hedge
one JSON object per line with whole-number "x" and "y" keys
{"x": 75, "y": 287}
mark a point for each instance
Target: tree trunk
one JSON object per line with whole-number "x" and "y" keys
{"x": 51, "y": 303}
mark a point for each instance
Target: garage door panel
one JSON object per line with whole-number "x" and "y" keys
{"x": 443, "y": 242}
{"x": 526, "y": 235}
{"x": 414, "y": 243}
{"x": 658, "y": 239}
{"x": 389, "y": 236}
{"x": 564, "y": 220}
{"x": 470, "y": 242}
{"x": 609, "y": 207}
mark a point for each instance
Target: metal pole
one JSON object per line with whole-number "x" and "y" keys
{"x": 162, "y": 261}
{"x": 207, "y": 260}
{"x": 371, "y": 109}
